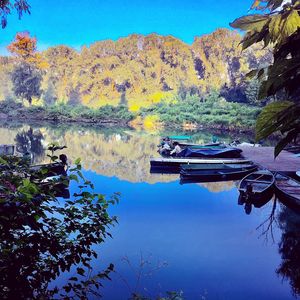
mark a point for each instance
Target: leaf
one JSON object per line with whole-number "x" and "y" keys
{"x": 77, "y": 161}
{"x": 285, "y": 141}
{"x": 73, "y": 177}
{"x": 266, "y": 123}
{"x": 274, "y": 27}
{"x": 80, "y": 271}
{"x": 292, "y": 23}
{"x": 254, "y": 22}
{"x": 251, "y": 74}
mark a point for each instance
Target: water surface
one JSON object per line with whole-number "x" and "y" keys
{"x": 193, "y": 238}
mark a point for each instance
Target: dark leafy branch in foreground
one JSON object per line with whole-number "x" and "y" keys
{"x": 278, "y": 26}
{"x": 7, "y": 7}
{"x": 41, "y": 237}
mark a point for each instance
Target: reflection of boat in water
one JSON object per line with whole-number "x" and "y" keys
{"x": 256, "y": 189}
{"x": 257, "y": 202}
{"x": 217, "y": 172}
{"x": 288, "y": 190}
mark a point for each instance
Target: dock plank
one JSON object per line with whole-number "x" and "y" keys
{"x": 264, "y": 156}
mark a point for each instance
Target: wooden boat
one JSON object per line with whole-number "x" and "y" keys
{"x": 174, "y": 163}
{"x": 199, "y": 167}
{"x": 7, "y": 150}
{"x": 293, "y": 149}
{"x": 288, "y": 190}
{"x": 52, "y": 169}
{"x": 216, "y": 174}
{"x": 257, "y": 185}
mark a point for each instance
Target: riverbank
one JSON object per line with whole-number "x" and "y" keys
{"x": 188, "y": 116}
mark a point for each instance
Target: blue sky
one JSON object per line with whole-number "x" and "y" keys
{"x": 82, "y": 22}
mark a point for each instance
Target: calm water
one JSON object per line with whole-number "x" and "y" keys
{"x": 193, "y": 238}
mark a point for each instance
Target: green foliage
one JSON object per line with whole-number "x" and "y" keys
{"x": 9, "y": 106}
{"x": 26, "y": 81}
{"x": 68, "y": 113}
{"x": 282, "y": 116}
{"x": 280, "y": 27}
{"x": 211, "y": 111}
{"x": 41, "y": 236}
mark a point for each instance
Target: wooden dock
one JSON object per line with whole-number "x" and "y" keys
{"x": 264, "y": 156}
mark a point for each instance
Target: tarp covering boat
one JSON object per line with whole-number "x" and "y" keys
{"x": 227, "y": 152}
{"x": 180, "y": 137}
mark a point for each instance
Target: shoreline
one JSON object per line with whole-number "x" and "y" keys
{"x": 120, "y": 123}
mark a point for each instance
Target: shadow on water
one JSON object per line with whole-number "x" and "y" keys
{"x": 197, "y": 229}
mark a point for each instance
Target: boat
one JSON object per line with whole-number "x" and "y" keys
{"x": 256, "y": 186}
{"x": 180, "y": 137}
{"x": 7, "y": 150}
{"x": 222, "y": 166}
{"x": 227, "y": 152}
{"x": 174, "y": 163}
{"x": 288, "y": 190}
{"x": 199, "y": 146}
{"x": 213, "y": 173}
{"x": 293, "y": 149}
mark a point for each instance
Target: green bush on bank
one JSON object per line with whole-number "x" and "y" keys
{"x": 66, "y": 112}
{"x": 210, "y": 111}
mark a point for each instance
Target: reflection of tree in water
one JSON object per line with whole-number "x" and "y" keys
{"x": 289, "y": 248}
{"x": 29, "y": 141}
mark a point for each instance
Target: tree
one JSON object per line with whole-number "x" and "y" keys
{"x": 26, "y": 81}
{"x": 278, "y": 26}
{"x": 23, "y": 46}
{"x": 74, "y": 96}
{"x": 7, "y": 6}
{"x": 24, "y": 49}
{"x": 50, "y": 96}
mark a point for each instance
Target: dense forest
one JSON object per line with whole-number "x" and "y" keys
{"x": 142, "y": 69}
{"x": 146, "y": 74}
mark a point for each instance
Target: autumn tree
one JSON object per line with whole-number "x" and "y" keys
{"x": 24, "y": 46}
{"x": 277, "y": 26}
{"x": 26, "y": 81}
{"x": 7, "y": 7}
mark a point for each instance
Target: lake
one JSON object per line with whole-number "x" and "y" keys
{"x": 193, "y": 239}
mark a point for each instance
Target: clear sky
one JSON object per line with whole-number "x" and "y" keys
{"x": 81, "y": 22}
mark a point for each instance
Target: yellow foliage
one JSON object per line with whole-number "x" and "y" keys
{"x": 152, "y": 123}
{"x": 143, "y": 70}
{"x": 134, "y": 107}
